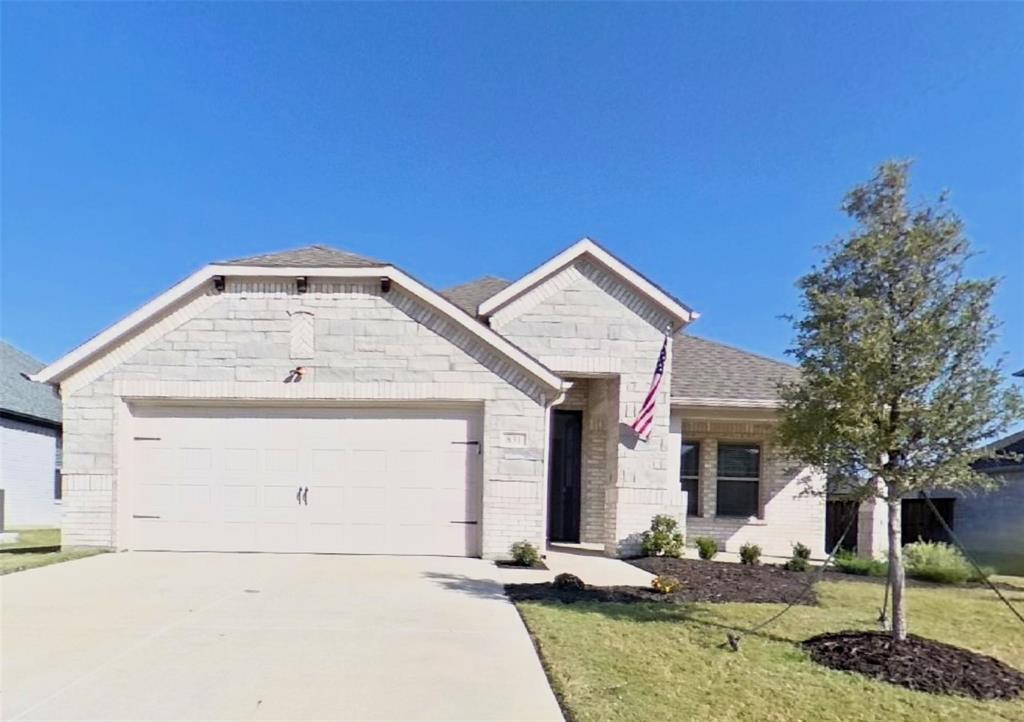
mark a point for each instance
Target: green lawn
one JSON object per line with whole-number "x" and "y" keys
{"x": 33, "y": 538}
{"x": 11, "y": 561}
{"x": 649, "y": 662}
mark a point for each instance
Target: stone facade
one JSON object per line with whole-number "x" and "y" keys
{"x": 585, "y": 320}
{"x": 787, "y": 512}
{"x": 366, "y": 346}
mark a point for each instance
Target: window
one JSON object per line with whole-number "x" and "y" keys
{"x": 58, "y": 486}
{"x": 689, "y": 475}
{"x": 738, "y": 474}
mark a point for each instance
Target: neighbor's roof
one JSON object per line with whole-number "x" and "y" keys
{"x": 705, "y": 372}
{"x": 20, "y": 396}
{"x": 1020, "y": 373}
{"x": 307, "y": 257}
{"x": 468, "y": 296}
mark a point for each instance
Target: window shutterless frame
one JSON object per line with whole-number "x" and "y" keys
{"x": 738, "y": 480}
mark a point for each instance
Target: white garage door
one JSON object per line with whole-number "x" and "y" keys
{"x": 384, "y": 481}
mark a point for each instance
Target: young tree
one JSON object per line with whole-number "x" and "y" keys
{"x": 895, "y": 394}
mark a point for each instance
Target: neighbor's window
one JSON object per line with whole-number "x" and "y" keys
{"x": 689, "y": 474}
{"x": 738, "y": 474}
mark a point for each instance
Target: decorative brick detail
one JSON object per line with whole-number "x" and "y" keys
{"x": 302, "y": 335}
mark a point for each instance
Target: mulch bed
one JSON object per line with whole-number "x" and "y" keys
{"x": 917, "y": 663}
{"x": 506, "y": 564}
{"x": 702, "y": 581}
{"x": 710, "y": 581}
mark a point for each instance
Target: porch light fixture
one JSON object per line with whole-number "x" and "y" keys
{"x": 218, "y": 284}
{"x": 302, "y": 284}
{"x": 385, "y": 284}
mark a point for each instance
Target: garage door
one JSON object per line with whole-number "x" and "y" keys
{"x": 399, "y": 481}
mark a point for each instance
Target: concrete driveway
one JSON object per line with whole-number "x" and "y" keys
{"x": 173, "y": 636}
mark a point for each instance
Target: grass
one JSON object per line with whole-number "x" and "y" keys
{"x": 29, "y": 538}
{"x": 661, "y": 662}
{"x": 15, "y": 558}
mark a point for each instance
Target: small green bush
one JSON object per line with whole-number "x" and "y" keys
{"x": 849, "y": 563}
{"x": 799, "y": 561}
{"x": 665, "y": 584}
{"x": 662, "y": 539}
{"x": 937, "y": 562}
{"x": 525, "y": 554}
{"x": 750, "y": 554}
{"x": 707, "y": 547}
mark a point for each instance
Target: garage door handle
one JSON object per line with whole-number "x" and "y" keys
{"x": 463, "y": 522}
{"x": 305, "y": 496}
{"x": 145, "y": 516}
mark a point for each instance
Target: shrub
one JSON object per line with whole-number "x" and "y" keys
{"x": 662, "y": 539}
{"x": 706, "y": 547}
{"x": 849, "y": 563}
{"x": 568, "y": 581}
{"x": 750, "y": 554}
{"x": 801, "y": 555}
{"x": 665, "y": 584}
{"x": 525, "y": 554}
{"x": 937, "y": 562}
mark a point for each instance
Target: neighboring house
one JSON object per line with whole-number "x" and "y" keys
{"x": 30, "y": 443}
{"x": 315, "y": 400}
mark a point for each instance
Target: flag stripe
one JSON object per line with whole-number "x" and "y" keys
{"x": 645, "y": 418}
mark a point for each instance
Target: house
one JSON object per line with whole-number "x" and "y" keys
{"x": 30, "y": 444}
{"x": 316, "y": 400}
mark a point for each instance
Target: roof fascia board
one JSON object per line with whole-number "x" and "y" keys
{"x": 583, "y": 247}
{"x": 53, "y": 372}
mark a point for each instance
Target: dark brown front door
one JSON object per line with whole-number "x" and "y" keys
{"x": 564, "y": 476}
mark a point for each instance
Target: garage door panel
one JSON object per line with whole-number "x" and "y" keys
{"x": 380, "y": 481}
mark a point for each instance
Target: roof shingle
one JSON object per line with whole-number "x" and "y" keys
{"x": 20, "y": 396}
{"x": 468, "y": 296}
{"x": 308, "y": 257}
{"x": 710, "y": 370}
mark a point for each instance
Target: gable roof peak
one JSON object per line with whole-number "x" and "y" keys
{"x": 587, "y": 246}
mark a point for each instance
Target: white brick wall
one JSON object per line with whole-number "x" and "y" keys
{"x": 27, "y": 463}
{"x": 789, "y": 515}
{"x": 585, "y": 320}
{"x": 367, "y": 346}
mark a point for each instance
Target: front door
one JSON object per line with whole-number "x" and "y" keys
{"x": 564, "y": 476}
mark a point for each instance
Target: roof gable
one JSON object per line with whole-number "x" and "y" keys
{"x": 21, "y": 396}
{"x": 682, "y": 313}
{"x": 201, "y": 282}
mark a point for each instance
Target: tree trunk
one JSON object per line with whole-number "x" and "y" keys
{"x": 897, "y": 578}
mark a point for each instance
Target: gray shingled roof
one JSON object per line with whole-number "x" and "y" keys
{"x": 707, "y": 369}
{"x": 468, "y": 296}
{"x": 308, "y": 257}
{"x": 20, "y": 396}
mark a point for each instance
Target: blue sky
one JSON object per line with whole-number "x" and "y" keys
{"x": 709, "y": 145}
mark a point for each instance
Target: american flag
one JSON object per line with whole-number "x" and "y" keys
{"x": 645, "y": 419}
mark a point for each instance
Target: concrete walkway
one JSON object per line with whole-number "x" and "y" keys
{"x": 165, "y": 636}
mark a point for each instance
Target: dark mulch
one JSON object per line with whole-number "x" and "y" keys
{"x": 710, "y": 581}
{"x": 702, "y": 581}
{"x": 508, "y": 564}
{"x": 917, "y": 663}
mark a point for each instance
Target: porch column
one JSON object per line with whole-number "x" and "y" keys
{"x": 872, "y": 519}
